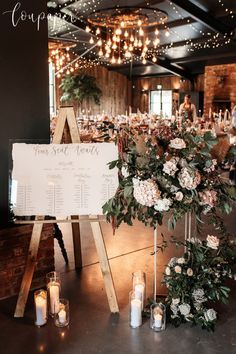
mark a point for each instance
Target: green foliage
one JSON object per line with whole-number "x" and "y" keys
{"x": 197, "y": 280}
{"x": 143, "y": 157}
{"x": 80, "y": 87}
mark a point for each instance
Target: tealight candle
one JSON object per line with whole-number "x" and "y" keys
{"x": 158, "y": 317}
{"x": 62, "y": 317}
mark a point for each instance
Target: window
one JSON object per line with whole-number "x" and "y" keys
{"x": 161, "y": 102}
{"x": 52, "y": 90}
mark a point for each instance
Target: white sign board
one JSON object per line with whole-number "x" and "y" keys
{"x": 67, "y": 179}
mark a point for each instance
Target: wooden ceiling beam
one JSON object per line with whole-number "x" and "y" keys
{"x": 204, "y": 17}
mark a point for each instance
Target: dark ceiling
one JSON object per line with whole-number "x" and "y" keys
{"x": 202, "y": 32}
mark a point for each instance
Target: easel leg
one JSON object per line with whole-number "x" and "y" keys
{"x": 29, "y": 270}
{"x": 77, "y": 243}
{"x": 105, "y": 266}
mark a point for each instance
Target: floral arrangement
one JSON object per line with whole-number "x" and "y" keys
{"x": 197, "y": 280}
{"x": 171, "y": 171}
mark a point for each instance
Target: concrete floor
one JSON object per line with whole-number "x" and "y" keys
{"x": 92, "y": 328}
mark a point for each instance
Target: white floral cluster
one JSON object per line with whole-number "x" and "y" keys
{"x": 170, "y": 167}
{"x": 211, "y": 168}
{"x": 213, "y": 242}
{"x": 146, "y": 192}
{"x": 189, "y": 178}
{"x": 163, "y": 204}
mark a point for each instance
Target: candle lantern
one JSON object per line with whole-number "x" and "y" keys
{"x": 53, "y": 286}
{"x": 135, "y": 314}
{"x": 61, "y": 318}
{"x": 158, "y": 317}
{"x": 139, "y": 286}
{"x": 40, "y": 301}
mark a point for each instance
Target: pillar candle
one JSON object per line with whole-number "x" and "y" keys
{"x": 54, "y": 298}
{"x": 139, "y": 290}
{"x": 41, "y": 310}
{"x": 136, "y": 313}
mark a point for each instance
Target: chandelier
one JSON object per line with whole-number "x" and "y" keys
{"x": 122, "y": 32}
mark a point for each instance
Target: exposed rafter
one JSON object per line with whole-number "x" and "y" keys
{"x": 202, "y": 16}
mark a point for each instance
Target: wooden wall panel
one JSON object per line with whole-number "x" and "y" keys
{"x": 116, "y": 89}
{"x": 141, "y": 99}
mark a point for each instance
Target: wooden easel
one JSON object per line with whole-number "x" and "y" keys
{"x": 67, "y": 125}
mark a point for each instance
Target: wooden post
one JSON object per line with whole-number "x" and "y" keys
{"x": 105, "y": 266}
{"x": 29, "y": 269}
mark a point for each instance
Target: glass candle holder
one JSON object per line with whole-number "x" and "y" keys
{"x": 135, "y": 311}
{"x": 40, "y": 301}
{"x": 53, "y": 286}
{"x": 139, "y": 286}
{"x": 158, "y": 317}
{"x": 61, "y": 318}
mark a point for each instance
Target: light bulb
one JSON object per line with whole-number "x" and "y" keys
{"x": 100, "y": 53}
{"x": 131, "y": 48}
{"x": 126, "y": 34}
{"x": 144, "y": 61}
{"x": 156, "y": 41}
{"x": 140, "y": 43}
{"x": 109, "y": 42}
{"x": 98, "y": 31}
{"x": 147, "y": 42}
{"x": 114, "y": 46}
{"x": 156, "y": 32}
{"x": 118, "y": 31}
{"x": 114, "y": 38}
{"x": 107, "y": 55}
{"x": 141, "y": 32}
{"x": 154, "y": 59}
{"x": 128, "y": 54}
{"x": 122, "y": 24}
{"x": 167, "y": 33}
{"x": 139, "y": 23}
{"x": 119, "y": 61}
{"x": 87, "y": 29}
{"x": 131, "y": 38}
{"x": 91, "y": 41}
{"x": 125, "y": 46}
{"x": 67, "y": 72}
{"x": 99, "y": 43}
{"x": 113, "y": 60}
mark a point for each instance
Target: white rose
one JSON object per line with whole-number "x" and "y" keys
{"x": 181, "y": 260}
{"x": 213, "y": 242}
{"x": 210, "y": 315}
{"x": 190, "y": 272}
{"x": 199, "y": 296}
{"x": 167, "y": 271}
{"x": 179, "y": 196}
{"x": 177, "y": 144}
{"x": 172, "y": 261}
{"x": 184, "y": 309}
{"x": 178, "y": 269}
{"x": 176, "y": 301}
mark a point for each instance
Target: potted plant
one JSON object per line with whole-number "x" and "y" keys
{"x": 79, "y": 88}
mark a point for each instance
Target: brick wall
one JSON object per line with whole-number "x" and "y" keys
{"x": 220, "y": 83}
{"x": 14, "y": 245}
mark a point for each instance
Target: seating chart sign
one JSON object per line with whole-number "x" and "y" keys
{"x": 67, "y": 179}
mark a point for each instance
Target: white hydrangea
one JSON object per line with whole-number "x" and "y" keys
{"x": 125, "y": 172}
{"x": 163, "y": 204}
{"x": 170, "y": 167}
{"x": 146, "y": 192}
{"x": 181, "y": 260}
